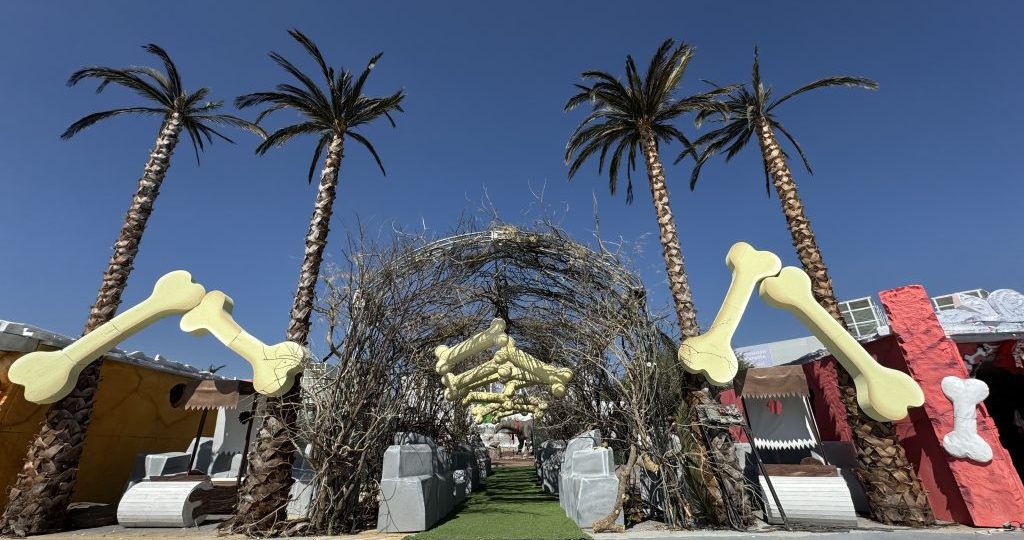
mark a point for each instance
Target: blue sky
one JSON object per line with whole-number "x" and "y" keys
{"x": 918, "y": 182}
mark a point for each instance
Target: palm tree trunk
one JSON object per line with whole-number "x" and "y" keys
{"x": 682, "y": 296}
{"x": 894, "y": 492}
{"x": 40, "y": 496}
{"x": 263, "y": 498}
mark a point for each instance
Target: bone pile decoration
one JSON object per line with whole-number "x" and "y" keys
{"x": 49, "y": 376}
{"x": 509, "y": 364}
{"x": 711, "y": 353}
{"x": 533, "y": 369}
{"x": 964, "y": 441}
{"x": 456, "y": 385}
{"x": 274, "y": 367}
{"x": 884, "y": 394}
{"x": 449, "y": 357}
{"x": 479, "y": 412}
{"x": 532, "y": 378}
{"x": 507, "y": 395}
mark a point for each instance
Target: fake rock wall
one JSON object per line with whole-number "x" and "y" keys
{"x": 979, "y": 494}
{"x": 132, "y": 414}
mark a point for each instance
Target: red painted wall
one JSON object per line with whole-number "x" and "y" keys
{"x": 829, "y": 411}
{"x": 962, "y": 490}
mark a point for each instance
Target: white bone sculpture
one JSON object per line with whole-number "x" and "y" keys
{"x": 884, "y": 394}
{"x": 274, "y": 366}
{"x": 711, "y": 353}
{"x": 49, "y": 376}
{"x": 964, "y": 441}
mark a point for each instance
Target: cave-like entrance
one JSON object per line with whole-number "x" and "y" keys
{"x": 388, "y": 307}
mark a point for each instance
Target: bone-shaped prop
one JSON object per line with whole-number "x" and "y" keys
{"x": 48, "y": 376}
{"x": 525, "y": 378}
{"x": 527, "y": 362}
{"x": 449, "y": 357}
{"x": 493, "y": 397}
{"x": 274, "y": 367}
{"x": 711, "y": 352}
{"x": 456, "y": 385}
{"x": 524, "y": 401}
{"x": 483, "y": 397}
{"x": 500, "y": 411}
{"x": 884, "y": 394}
{"x": 480, "y": 411}
{"x": 964, "y": 441}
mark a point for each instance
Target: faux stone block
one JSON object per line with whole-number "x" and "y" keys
{"x": 587, "y": 485}
{"x": 549, "y": 463}
{"x": 417, "y": 487}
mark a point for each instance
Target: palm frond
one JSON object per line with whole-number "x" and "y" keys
{"x": 285, "y": 134}
{"x": 842, "y": 80}
{"x": 357, "y": 89}
{"x": 91, "y": 119}
{"x": 312, "y": 91}
{"x": 747, "y": 107}
{"x": 324, "y": 140}
{"x": 233, "y": 121}
{"x": 317, "y": 56}
{"x": 127, "y": 78}
{"x": 165, "y": 89}
{"x": 778, "y": 125}
{"x": 362, "y": 140}
{"x": 173, "y": 77}
{"x": 336, "y": 112}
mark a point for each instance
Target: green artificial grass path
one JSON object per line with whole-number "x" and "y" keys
{"x": 509, "y": 506}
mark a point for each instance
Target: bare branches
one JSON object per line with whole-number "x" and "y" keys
{"x": 389, "y": 304}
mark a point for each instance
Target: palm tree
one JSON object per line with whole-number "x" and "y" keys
{"x": 331, "y": 114}
{"x": 633, "y": 118}
{"x": 39, "y": 498}
{"x": 751, "y": 111}
{"x": 894, "y": 493}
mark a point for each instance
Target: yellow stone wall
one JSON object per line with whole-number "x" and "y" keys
{"x": 133, "y": 414}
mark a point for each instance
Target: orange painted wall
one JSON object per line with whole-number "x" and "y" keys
{"x": 132, "y": 415}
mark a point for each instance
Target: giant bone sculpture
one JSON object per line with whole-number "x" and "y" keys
{"x": 964, "y": 441}
{"x": 884, "y": 394}
{"x": 273, "y": 366}
{"x": 704, "y": 353}
{"x": 49, "y": 376}
{"x": 509, "y": 364}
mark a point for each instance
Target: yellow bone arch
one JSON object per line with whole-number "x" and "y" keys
{"x": 884, "y": 394}
{"x": 49, "y": 376}
{"x": 274, "y": 367}
{"x": 449, "y": 357}
{"x": 711, "y": 353}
